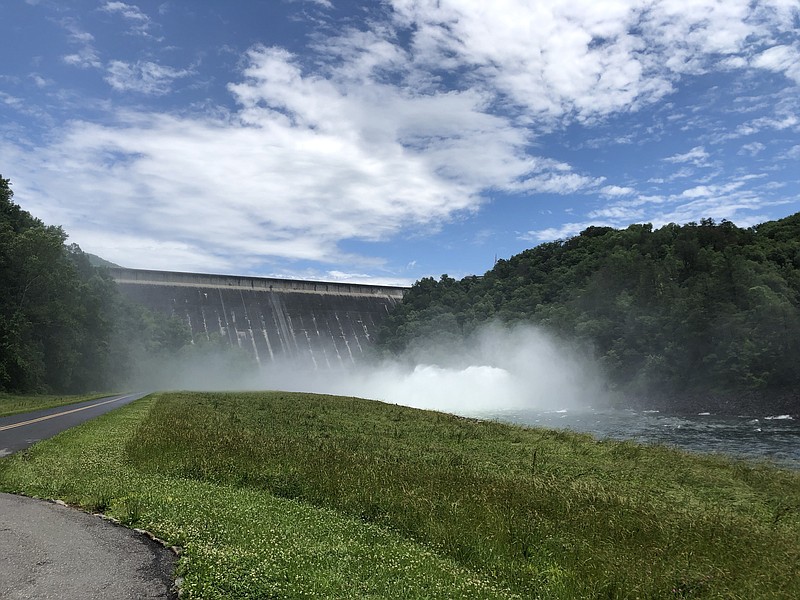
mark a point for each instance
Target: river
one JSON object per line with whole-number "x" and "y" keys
{"x": 775, "y": 438}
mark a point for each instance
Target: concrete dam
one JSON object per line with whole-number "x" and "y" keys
{"x": 317, "y": 324}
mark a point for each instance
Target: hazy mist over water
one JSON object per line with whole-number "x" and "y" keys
{"x": 498, "y": 368}
{"x": 515, "y": 374}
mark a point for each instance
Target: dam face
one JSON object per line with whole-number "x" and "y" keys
{"x": 316, "y": 324}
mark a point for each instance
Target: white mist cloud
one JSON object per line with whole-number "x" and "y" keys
{"x": 497, "y": 369}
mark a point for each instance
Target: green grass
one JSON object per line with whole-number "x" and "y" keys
{"x": 12, "y": 405}
{"x": 293, "y": 495}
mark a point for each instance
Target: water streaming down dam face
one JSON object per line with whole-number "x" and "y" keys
{"x": 316, "y": 324}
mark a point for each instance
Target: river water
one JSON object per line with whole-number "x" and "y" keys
{"x": 775, "y": 438}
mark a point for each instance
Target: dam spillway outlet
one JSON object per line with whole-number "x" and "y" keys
{"x": 315, "y": 324}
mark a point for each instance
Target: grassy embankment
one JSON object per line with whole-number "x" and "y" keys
{"x": 12, "y": 405}
{"x": 289, "y": 495}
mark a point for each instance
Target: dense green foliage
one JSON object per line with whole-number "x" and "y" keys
{"x": 294, "y": 495}
{"x": 674, "y": 312}
{"x": 63, "y": 326}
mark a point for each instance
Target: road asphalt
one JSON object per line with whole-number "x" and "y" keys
{"x": 55, "y": 552}
{"x": 49, "y": 551}
{"x": 17, "y": 432}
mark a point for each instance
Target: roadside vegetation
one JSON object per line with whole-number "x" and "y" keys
{"x": 293, "y": 495}
{"x": 12, "y": 405}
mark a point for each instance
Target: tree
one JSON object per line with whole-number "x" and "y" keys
{"x": 63, "y": 325}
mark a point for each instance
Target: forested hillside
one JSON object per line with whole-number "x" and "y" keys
{"x": 63, "y": 326}
{"x": 682, "y": 316}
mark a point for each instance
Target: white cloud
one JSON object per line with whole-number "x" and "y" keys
{"x": 381, "y": 137}
{"x": 737, "y": 210}
{"x": 614, "y": 191}
{"x": 732, "y": 63}
{"x": 762, "y": 123}
{"x": 128, "y": 247}
{"x": 364, "y": 278}
{"x": 681, "y": 173}
{"x": 735, "y": 200}
{"x": 552, "y": 58}
{"x": 556, "y": 183}
{"x": 696, "y": 156}
{"x": 143, "y": 77}
{"x": 304, "y": 164}
{"x": 360, "y": 55}
{"x": 323, "y": 3}
{"x": 84, "y": 59}
{"x": 710, "y": 191}
{"x": 38, "y": 80}
{"x": 562, "y": 232}
{"x": 128, "y": 11}
{"x": 620, "y": 213}
{"x": 138, "y": 20}
{"x": 752, "y": 149}
{"x": 85, "y": 56}
{"x": 780, "y": 59}
{"x": 587, "y": 58}
{"x": 11, "y": 101}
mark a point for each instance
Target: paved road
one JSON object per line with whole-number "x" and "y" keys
{"x": 17, "y": 432}
{"x": 48, "y": 551}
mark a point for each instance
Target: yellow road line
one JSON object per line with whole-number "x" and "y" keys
{"x": 61, "y": 414}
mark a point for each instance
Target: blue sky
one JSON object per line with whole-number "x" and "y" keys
{"x": 387, "y": 141}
